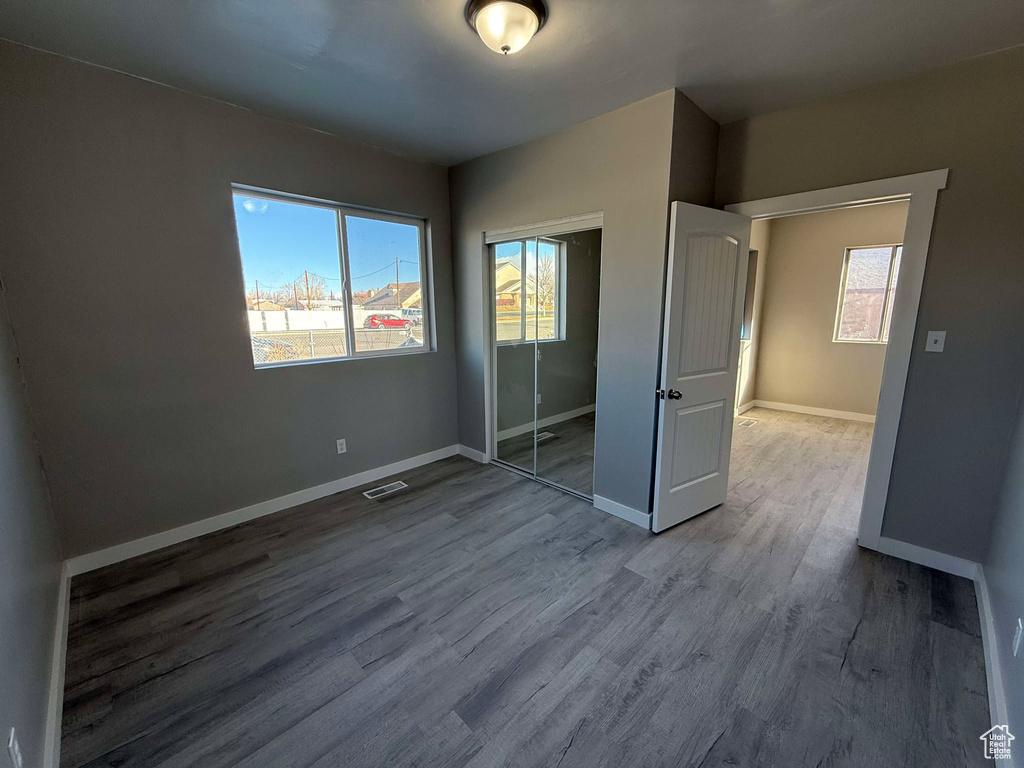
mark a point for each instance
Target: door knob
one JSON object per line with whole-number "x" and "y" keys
{"x": 674, "y": 394}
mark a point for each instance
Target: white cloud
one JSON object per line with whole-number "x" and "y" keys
{"x": 255, "y": 205}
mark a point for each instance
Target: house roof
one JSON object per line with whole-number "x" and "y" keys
{"x": 323, "y": 303}
{"x": 386, "y": 297}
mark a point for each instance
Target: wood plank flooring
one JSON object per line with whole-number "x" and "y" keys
{"x": 482, "y": 619}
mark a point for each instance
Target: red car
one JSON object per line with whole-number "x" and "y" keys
{"x": 388, "y": 321}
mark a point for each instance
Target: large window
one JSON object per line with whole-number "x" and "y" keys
{"x": 529, "y": 290}
{"x": 325, "y": 282}
{"x": 867, "y": 294}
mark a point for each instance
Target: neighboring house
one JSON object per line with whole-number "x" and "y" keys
{"x": 507, "y": 295}
{"x": 331, "y": 304}
{"x": 394, "y": 296}
{"x": 508, "y": 288}
{"x": 505, "y": 272}
{"x": 266, "y": 306}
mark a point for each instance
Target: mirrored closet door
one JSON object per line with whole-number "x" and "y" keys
{"x": 546, "y": 300}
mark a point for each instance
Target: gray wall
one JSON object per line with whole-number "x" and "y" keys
{"x": 797, "y": 360}
{"x": 955, "y": 431}
{"x": 618, "y": 163}
{"x": 117, "y": 218}
{"x": 1004, "y": 574}
{"x": 566, "y": 374}
{"x": 29, "y": 565}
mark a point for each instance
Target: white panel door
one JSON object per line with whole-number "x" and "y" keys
{"x": 707, "y": 268}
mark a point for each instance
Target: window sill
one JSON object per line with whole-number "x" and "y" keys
{"x": 364, "y": 356}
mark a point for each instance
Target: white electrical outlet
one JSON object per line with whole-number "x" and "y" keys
{"x": 1017, "y": 636}
{"x": 14, "y": 751}
{"x": 539, "y": 398}
{"x": 341, "y": 446}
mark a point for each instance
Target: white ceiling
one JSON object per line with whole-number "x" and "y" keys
{"x": 410, "y": 76}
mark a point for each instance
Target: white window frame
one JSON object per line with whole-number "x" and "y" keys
{"x": 342, "y": 211}
{"x": 889, "y": 298}
{"x": 560, "y": 285}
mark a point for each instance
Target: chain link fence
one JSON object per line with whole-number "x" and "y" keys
{"x": 271, "y": 347}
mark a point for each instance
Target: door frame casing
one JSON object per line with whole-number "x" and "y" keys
{"x": 920, "y": 190}
{"x": 577, "y": 223}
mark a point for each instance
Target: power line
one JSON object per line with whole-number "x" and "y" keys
{"x": 368, "y": 274}
{"x": 289, "y": 285}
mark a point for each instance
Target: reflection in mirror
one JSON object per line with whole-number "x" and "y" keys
{"x": 514, "y": 363}
{"x": 568, "y": 293}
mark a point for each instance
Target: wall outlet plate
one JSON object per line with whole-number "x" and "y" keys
{"x": 342, "y": 447}
{"x": 1017, "y": 636}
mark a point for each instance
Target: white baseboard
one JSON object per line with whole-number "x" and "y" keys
{"x": 634, "y": 516}
{"x": 522, "y": 429}
{"x": 472, "y": 453}
{"x": 119, "y": 552}
{"x": 940, "y": 561}
{"x": 826, "y": 412}
{"x": 745, "y": 407}
{"x": 55, "y": 697}
{"x": 993, "y": 670}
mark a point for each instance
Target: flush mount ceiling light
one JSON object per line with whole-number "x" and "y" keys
{"x": 506, "y": 26}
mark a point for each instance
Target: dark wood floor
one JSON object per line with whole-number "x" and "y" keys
{"x": 482, "y": 619}
{"x": 565, "y": 458}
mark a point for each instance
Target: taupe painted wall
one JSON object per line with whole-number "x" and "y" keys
{"x": 1004, "y": 574}
{"x": 955, "y": 428}
{"x": 118, "y": 218}
{"x": 29, "y": 565}
{"x": 566, "y": 374}
{"x": 798, "y": 362}
{"x": 620, "y": 164}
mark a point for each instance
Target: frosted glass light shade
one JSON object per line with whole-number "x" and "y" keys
{"x": 506, "y": 27}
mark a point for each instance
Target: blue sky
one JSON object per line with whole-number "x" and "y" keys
{"x": 278, "y": 240}
{"x": 511, "y": 252}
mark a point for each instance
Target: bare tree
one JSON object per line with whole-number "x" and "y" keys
{"x": 309, "y": 286}
{"x": 269, "y": 294}
{"x": 545, "y": 284}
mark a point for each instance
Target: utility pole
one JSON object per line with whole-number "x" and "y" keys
{"x": 309, "y": 304}
{"x": 398, "y": 289}
{"x": 295, "y": 293}
{"x": 257, "y": 294}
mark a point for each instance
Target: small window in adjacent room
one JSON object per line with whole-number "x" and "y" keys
{"x": 867, "y": 294}
{"x": 324, "y": 282}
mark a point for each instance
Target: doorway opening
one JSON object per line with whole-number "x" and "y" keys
{"x": 709, "y": 255}
{"x": 819, "y": 300}
{"x": 545, "y": 301}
